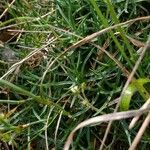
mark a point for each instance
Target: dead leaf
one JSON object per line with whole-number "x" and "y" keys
{"x": 136, "y": 42}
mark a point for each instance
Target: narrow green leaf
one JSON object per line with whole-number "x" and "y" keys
{"x": 38, "y": 99}
{"x": 136, "y": 85}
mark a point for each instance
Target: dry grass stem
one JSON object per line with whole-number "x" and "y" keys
{"x": 124, "y": 70}
{"x": 135, "y": 119}
{"x": 4, "y": 12}
{"x": 89, "y": 39}
{"x": 64, "y": 67}
{"x": 103, "y": 118}
{"x": 28, "y": 21}
{"x": 140, "y": 133}
{"x": 94, "y": 35}
{"x": 18, "y": 64}
{"x": 126, "y": 86}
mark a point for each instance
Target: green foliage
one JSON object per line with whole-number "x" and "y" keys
{"x": 136, "y": 85}
{"x": 44, "y": 104}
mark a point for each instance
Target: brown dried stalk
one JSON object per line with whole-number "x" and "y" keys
{"x": 126, "y": 86}
{"x": 140, "y": 133}
{"x": 103, "y": 118}
{"x": 89, "y": 39}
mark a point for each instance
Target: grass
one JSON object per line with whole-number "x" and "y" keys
{"x": 64, "y": 74}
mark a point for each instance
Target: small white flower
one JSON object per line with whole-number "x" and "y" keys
{"x": 75, "y": 89}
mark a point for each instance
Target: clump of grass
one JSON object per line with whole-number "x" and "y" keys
{"x": 79, "y": 62}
